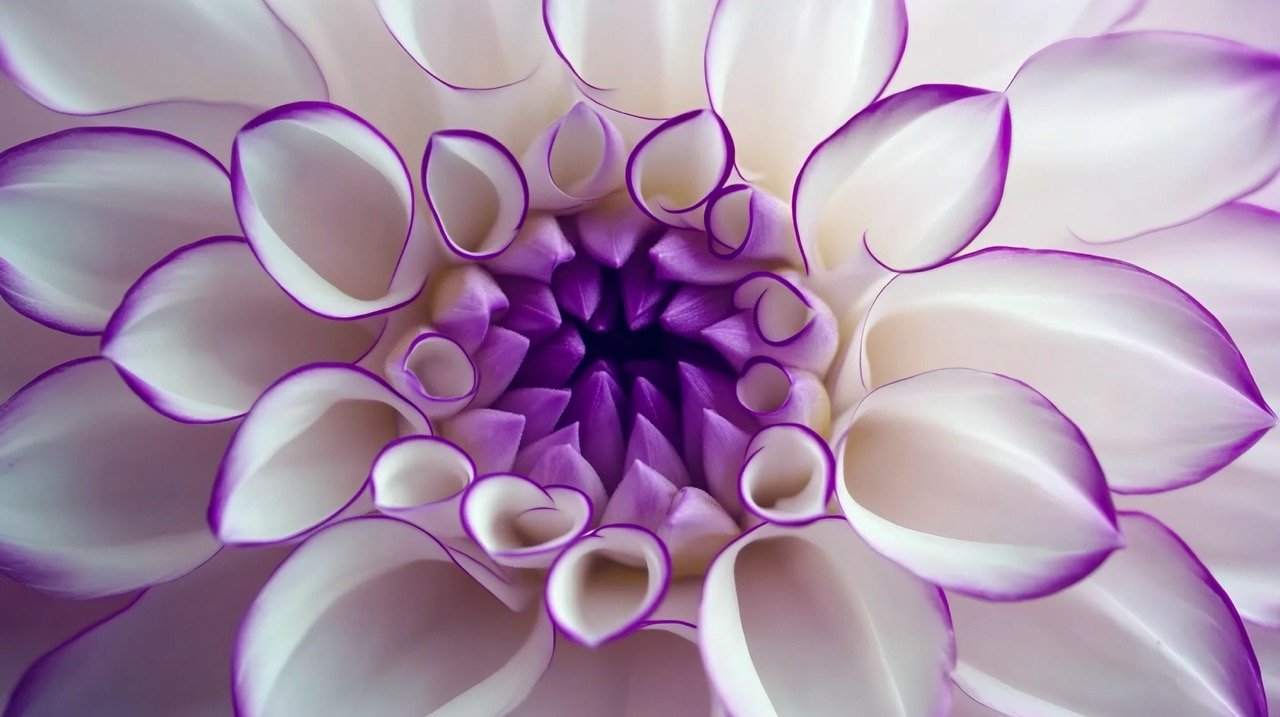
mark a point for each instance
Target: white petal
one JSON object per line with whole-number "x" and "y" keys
{"x": 607, "y": 583}
{"x": 913, "y": 178}
{"x": 764, "y": 62}
{"x": 91, "y": 57}
{"x": 304, "y": 451}
{"x": 468, "y": 44}
{"x": 640, "y": 58}
{"x": 676, "y": 167}
{"x": 204, "y": 332}
{"x": 522, "y": 524}
{"x": 1266, "y": 643}
{"x": 1152, "y": 380}
{"x": 84, "y": 212}
{"x": 372, "y": 616}
{"x": 421, "y": 479}
{"x": 99, "y": 493}
{"x": 1121, "y": 134}
{"x": 327, "y": 204}
{"x": 809, "y": 621}
{"x": 168, "y": 652}
{"x": 1149, "y": 633}
{"x": 649, "y": 673}
{"x": 788, "y": 475}
{"x": 976, "y": 483}
{"x": 476, "y": 191}
{"x": 577, "y": 159}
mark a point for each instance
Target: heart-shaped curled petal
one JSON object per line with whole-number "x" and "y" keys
{"x": 1127, "y": 342}
{"x": 477, "y": 193}
{"x": 1149, "y": 633}
{"x": 369, "y": 590}
{"x": 328, "y": 206}
{"x": 913, "y": 178}
{"x": 578, "y": 159}
{"x": 976, "y": 483}
{"x": 788, "y": 474}
{"x": 521, "y": 524}
{"x": 796, "y": 621}
{"x": 84, "y": 212}
{"x": 199, "y": 353}
{"x": 607, "y": 583}
{"x": 304, "y": 451}
{"x": 674, "y": 170}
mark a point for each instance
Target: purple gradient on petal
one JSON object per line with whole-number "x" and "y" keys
{"x": 694, "y": 308}
{"x": 533, "y": 311}
{"x": 533, "y": 452}
{"x": 552, "y": 362}
{"x": 498, "y": 358}
{"x": 648, "y": 445}
{"x": 564, "y": 465}
{"x": 541, "y": 408}
{"x": 490, "y": 437}
{"x": 578, "y": 287}
{"x": 597, "y": 405}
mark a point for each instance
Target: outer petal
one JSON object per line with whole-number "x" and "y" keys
{"x": 85, "y": 211}
{"x": 476, "y": 191}
{"x": 90, "y": 57}
{"x": 913, "y": 178}
{"x": 763, "y": 62}
{"x": 304, "y": 451}
{"x": 100, "y": 494}
{"x": 167, "y": 652}
{"x": 467, "y": 44}
{"x": 676, "y": 168}
{"x": 809, "y": 620}
{"x": 327, "y": 204}
{"x": 1149, "y": 633}
{"x": 650, "y": 673}
{"x": 205, "y": 331}
{"x": 1266, "y": 643}
{"x": 638, "y": 58}
{"x": 976, "y": 483}
{"x": 1121, "y": 134}
{"x": 1151, "y": 378}
{"x": 373, "y": 616}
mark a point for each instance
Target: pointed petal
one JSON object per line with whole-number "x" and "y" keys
{"x": 319, "y": 636}
{"x": 833, "y": 60}
{"x": 168, "y": 652}
{"x": 695, "y": 530}
{"x": 643, "y": 498}
{"x": 674, "y": 170}
{"x": 597, "y": 406}
{"x": 534, "y": 312}
{"x": 724, "y": 450}
{"x": 651, "y": 403}
{"x": 578, "y": 159}
{"x": 788, "y": 475}
{"x": 199, "y": 353}
{"x": 607, "y": 583}
{"x": 344, "y": 248}
{"x": 694, "y": 308}
{"x": 498, "y": 359}
{"x": 554, "y": 361}
{"x": 1131, "y": 339}
{"x": 464, "y": 302}
{"x": 1149, "y": 633}
{"x": 84, "y": 212}
{"x": 913, "y": 178}
{"x": 541, "y": 408}
{"x": 522, "y": 524}
{"x": 682, "y": 256}
{"x": 611, "y": 229}
{"x": 579, "y": 287}
{"x": 650, "y": 446}
{"x": 304, "y": 451}
{"x": 539, "y": 248}
{"x": 1006, "y": 498}
{"x": 564, "y": 465}
{"x": 638, "y": 58}
{"x": 89, "y": 59}
{"x": 1135, "y": 90}
{"x": 490, "y": 437}
{"x": 531, "y": 454}
{"x": 476, "y": 191}
{"x": 100, "y": 494}
{"x": 819, "y": 586}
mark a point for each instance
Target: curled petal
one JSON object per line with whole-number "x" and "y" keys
{"x": 747, "y": 224}
{"x": 762, "y": 63}
{"x": 100, "y": 494}
{"x": 467, "y": 44}
{"x": 777, "y": 394}
{"x": 198, "y": 352}
{"x": 579, "y": 158}
{"x": 638, "y": 58}
{"x": 1128, "y": 341}
{"x": 809, "y": 620}
{"x": 304, "y": 451}
{"x": 89, "y": 58}
{"x": 372, "y": 590}
{"x": 327, "y": 204}
{"x": 1100, "y": 115}
{"x": 607, "y": 583}
{"x": 421, "y": 479}
{"x": 913, "y": 178}
{"x": 674, "y": 170}
{"x": 1149, "y": 633}
{"x": 788, "y": 474}
{"x": 434, "y": 372}
{"x": 84, "y": 212}
{"x": 476, "y": 191}
{"x": 1006, "y": 500}
{"x": 522, "y": 524}
{"x": 1266, "y": 643}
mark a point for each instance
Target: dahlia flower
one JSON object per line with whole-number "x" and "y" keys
{"x": 639, "y": 357}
